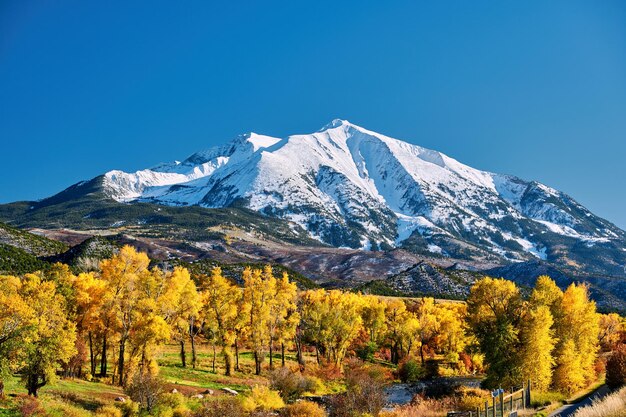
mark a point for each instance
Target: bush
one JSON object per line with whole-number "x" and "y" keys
{"x": 304, "y": 409}
{"x": 366, "y": 352}
{"x": 470, "y": 400}
{"x": 67, "y": 410}
{"x": 222, "y": 407}
{"x": 291, "y": 385}
{"x": 109, "y": 411}
{"x": 145, "y": 389}
{"x": 264, "y": 399}
{"x": 171, "y": 400}
{"x": 410, "y": 371}
{"x": 364, "y": 391}
{"x": 616, "y": 368}
{"x": 30, "y": 407}
{"x": 129, "y": 409}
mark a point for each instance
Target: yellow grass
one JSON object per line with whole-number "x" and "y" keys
{"x": 613, "y": 405}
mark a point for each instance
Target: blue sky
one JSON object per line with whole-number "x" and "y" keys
{"x": 535, "y": 89}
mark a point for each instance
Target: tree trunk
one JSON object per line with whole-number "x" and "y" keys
{"x": 1, "y": 389}
{"x": 183, "y": 358}
{"x": 214, "y": 356}
{"x": 317, "y": 354}
{"x": 422, "y": 352}
{"x": 192, "y": 338}
{"x": 33, "y": 384}
{"x": 282, "y": 354}
{"x": 257, "y": 363}
{"x": 237, "y": 354}
{"x": 271, "y": 356}
{"x": 103, "y": 359}
{"x": 120, "y": 362}
{"x": 299, "y": 356}
{"x": 92, "y": 359}
{"x": 228, "y": 361}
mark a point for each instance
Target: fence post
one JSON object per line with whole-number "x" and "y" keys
{"x": 486, "y": 408}
{"x": 478, "y": 411}
{"x": 511, "y": 401}
{"x": 494, "y": 407}
{"x": 524, "y": 396}
{"x": 528, "y": 387}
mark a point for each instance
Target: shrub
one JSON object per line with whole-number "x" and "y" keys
{"x": 109, "y": 411}
{"x": 67, "y": 410}
{"x": 468, "y": 399}
{"x": 425, "y": 407}
{"x": 145, "y": 389}
{"x": 222, "y": 407}
{"x": 264, "y": 399}
{"x": 364, "y": 391}
{"x": 171, "y": 400}
{"x": 410, "y": 371}
{"x": 366, "y": 352}
{"x": 181, "y": 411}
{"x": 304, "y": 409}
{"x": 129, "y": 409}
{"x": 30, "y": 407}
{"x": 616, "y": 368}
{"x": 291, "y": 385}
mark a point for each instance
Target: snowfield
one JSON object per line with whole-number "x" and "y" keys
{"x": 349, "y": 186}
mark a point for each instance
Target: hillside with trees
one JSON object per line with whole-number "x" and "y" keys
{"x": 141, "y": 330}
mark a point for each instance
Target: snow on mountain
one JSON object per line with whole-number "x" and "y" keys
{"x": 349, "y": 186}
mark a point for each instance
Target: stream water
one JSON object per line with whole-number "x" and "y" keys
{"x": 400, "y": 394}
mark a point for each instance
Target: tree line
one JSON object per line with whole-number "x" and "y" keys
{"x": 112, "y": 322}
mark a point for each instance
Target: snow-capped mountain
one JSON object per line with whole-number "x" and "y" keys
{"x": 348, "y": 186}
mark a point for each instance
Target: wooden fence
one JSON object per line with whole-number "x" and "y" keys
{"x": 501, "y": 405}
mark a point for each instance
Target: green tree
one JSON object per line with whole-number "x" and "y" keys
{"x": 495, "y": 309}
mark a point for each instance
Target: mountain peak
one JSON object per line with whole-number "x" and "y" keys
{"x": 349, "y": 186}
{"x": 335, "y": 123}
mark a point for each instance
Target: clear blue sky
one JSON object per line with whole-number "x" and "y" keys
{"x": 531, "y": 88}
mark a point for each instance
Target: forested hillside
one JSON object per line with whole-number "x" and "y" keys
{"x": 277, "y": 343}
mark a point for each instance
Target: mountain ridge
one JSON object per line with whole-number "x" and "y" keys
{"x": 346, "y": 186}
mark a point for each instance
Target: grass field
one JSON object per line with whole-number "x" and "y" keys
{"x": 77, "y": 397}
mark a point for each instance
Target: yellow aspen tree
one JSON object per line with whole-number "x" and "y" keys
{"x": 286, "y": 317}
{"x": 259, "y": 288}
{"x": 89, "y": 295}
{"x": 451, "y": 338}
{"x": 373, "y": 316}
{"x": 426, "y": 314}
{"x": 51, "y": 339}
{"x": 546, "y": 293}
{"x": 178, "y": 304}
{"x": 123, "y": 273}
{"x": 538, "y": 343}
{"x": 398, "y": 321}
{"x": 16, "y": 315}
{"x": 331, "y": 320}
{"x": 342, "y": 324}
{"x": 569, "y": 375}
{"x": 313, "y": 311}
{"x": 578, "y": 323}
{"x": 220, "y": 311}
